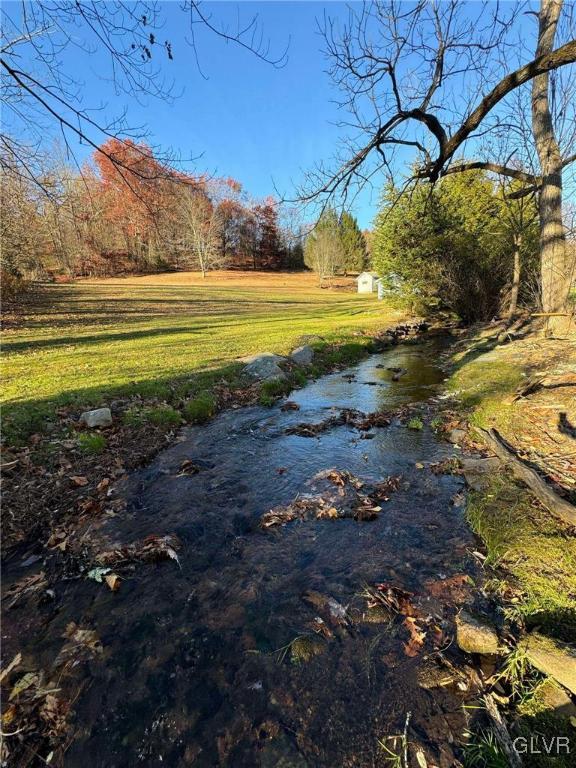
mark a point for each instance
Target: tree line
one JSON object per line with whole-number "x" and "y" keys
{"x": 128, "y": 212}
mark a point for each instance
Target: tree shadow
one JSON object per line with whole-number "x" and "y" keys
{"x": 565, "y": 427}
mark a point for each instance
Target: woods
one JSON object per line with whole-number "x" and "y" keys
{"x": 144, "y": 218}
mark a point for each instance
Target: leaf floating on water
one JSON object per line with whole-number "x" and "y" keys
{"x": 417, "y": 637}
{"x": 113, "y": 581}
{"x": 290, "y": 405}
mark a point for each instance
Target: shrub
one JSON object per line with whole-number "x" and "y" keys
{"x": 200, "y": 409}
{"x": 91, "y": 443}
{"x": 273, "y": 389}
{"x": 159, "y": 415}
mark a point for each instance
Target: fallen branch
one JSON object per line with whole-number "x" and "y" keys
{"x": 501, "y": 732}
{"x": 558, "y": 506}
{"x": 546, "y": 382}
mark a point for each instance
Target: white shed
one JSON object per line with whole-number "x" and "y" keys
{"x": 367, "y": 282}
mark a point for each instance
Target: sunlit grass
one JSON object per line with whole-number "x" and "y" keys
{"x": 92, "y": 341}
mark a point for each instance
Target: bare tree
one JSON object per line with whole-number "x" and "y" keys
{"x": 201, "y": 231}
{"x": 429, "y": 78}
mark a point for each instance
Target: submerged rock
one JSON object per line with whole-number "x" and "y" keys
{"x": 264, "y": 366}
{"x": 303, "y": 648}
{"x": 302, "y": 355}
{"x": 474, "y": 635}
{"x": 99, "y": 417}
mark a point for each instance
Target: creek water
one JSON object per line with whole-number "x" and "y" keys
{"x": 197, "y": 666}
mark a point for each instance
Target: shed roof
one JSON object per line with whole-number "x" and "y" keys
{"x": 371, "y": 274}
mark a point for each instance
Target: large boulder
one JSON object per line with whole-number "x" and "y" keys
{"x": 99, "y": 417}
{"x": 474, "y": 635}
{"x": 264, "y": 366}
{"x": 302, "y": 355}
{"x": 552, "y": 657}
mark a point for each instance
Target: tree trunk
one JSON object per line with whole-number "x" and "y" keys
{"x": 515, "y": 278}
{"x": 554, "y": 267}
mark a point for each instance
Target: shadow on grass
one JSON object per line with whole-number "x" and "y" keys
{"x": 24, "y": 418}
{"x": 81, "y": 340}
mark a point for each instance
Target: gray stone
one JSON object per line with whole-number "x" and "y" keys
{"x": 100, "y": 417}
{"x": 302, "y": 355}
{"x": 456, "y": 436}
{"x": 264, "y": 366}
{"x": 552, "y": 657}
{"x": 476, "y": 470}
{"x": 474, "y": 635}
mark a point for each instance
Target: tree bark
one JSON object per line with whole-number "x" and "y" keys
{"x": 554, "y": 268}
{"x": 515, "y": 278}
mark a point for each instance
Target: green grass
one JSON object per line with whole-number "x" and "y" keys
{"x": 159, "y": 415}
{"x": 91, "y": 443}
{"x": 91, "y": 342}
{"x": 200, "y": 409}
{"x": 529, "y": 544}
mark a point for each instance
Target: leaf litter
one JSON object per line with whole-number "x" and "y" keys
{"x": 339, "y": 495}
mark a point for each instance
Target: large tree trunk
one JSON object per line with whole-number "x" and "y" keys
{"x": 554, "y": 267}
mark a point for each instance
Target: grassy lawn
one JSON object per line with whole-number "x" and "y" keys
{"x": 97, "y": 339}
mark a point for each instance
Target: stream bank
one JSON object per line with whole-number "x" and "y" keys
{"x": 525, "y": 390}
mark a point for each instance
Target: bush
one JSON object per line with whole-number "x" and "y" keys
{"x": 451, "y": 245}
{"x": 273, "y": 389}
{"x": 159, "y": 415}
{"x": 91, "y": 443}
{"x": 200, "y": 409}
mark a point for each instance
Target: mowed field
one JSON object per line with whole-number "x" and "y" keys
{"x": 95, "y": 339}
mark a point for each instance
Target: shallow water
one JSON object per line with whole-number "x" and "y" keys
{"x": 197, "y": 667}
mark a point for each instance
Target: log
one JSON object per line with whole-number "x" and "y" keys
{"x": 558, "y": 506}
{"x": 501, "y": 732}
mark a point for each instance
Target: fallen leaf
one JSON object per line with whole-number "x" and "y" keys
{"x": 79, "y": 480}
{"x": 14, "y": 663}
{"x": 98, "y": 574}
{"x": 103, "y": 485}
{"x": 417, "y": 636}
{"x": 113, "y": 581}
{"x": 30, "y": 678}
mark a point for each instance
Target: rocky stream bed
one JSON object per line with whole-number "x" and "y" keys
{"x": 281, "y": 590}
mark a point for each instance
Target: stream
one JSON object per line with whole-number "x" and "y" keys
{"x": 198, "y": 664}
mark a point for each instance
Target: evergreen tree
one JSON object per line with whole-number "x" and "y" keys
{"x": 353, "y": 244}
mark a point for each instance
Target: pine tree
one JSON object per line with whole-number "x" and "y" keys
{"x": 353, "y": 243}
